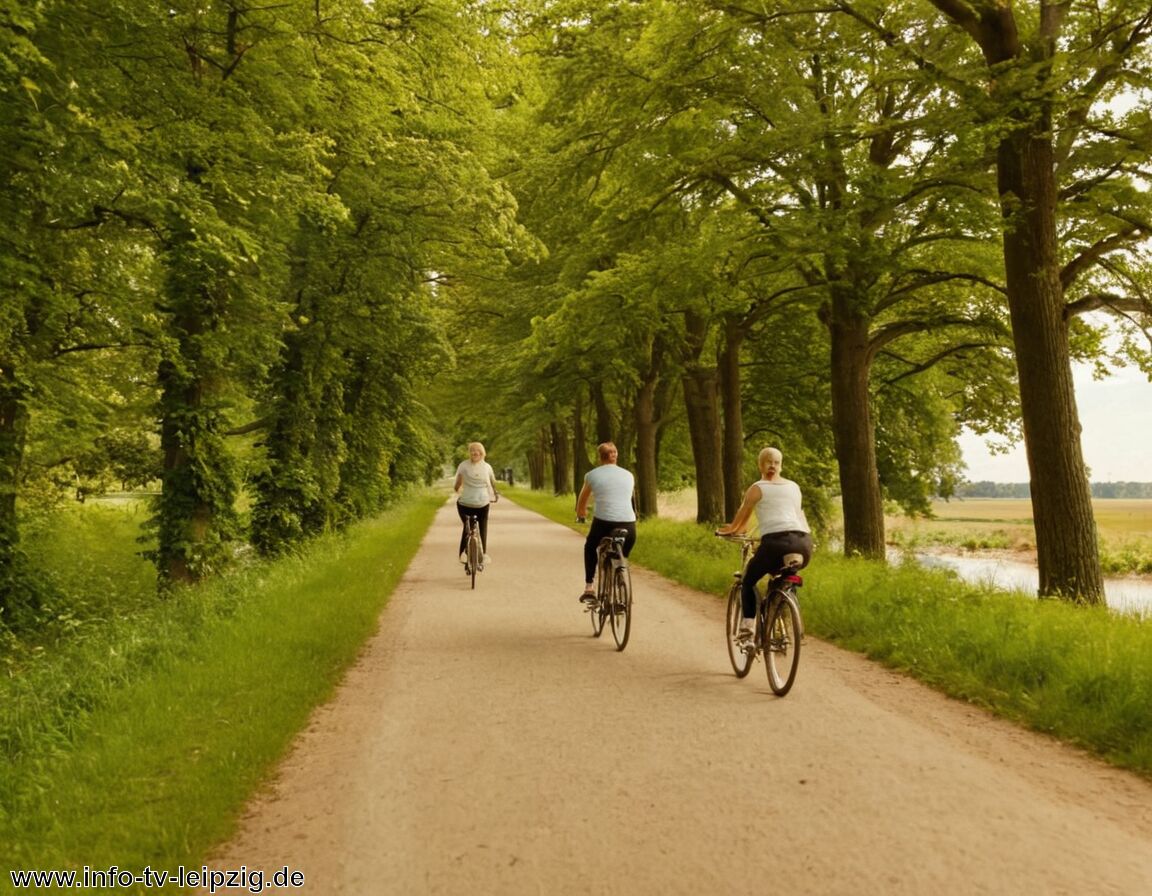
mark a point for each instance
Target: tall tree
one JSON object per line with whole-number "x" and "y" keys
{"x": 854, "y": 209}
{"x": 1051, "y": 76}
{"x": 416, "y": 205}
{"x": 73, "y": 280}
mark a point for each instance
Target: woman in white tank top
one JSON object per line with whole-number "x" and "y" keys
{"x": 476, "y": 487}
{"x": 783, "y": 527}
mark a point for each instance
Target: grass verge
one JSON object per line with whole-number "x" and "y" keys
{"x": 139, "y": 744}
{"x": 1080, "y": 674}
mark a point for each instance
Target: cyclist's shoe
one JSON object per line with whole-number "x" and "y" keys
{"x": 588, "y": 597}
{"x": 487, "y": 559}
{"x": 463, "y": 557}
{"x": 744, "y": 637}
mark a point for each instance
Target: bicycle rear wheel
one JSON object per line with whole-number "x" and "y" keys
{"x": 740, "y": 656}
{"x": 782, "y": 642}
{"x": 474, "y": 558}
{"x": 598, "y": 609}
{"x": 621, "y": 606}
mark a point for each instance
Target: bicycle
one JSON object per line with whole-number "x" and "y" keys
{"x": 473, "y": 551}
{"x": 612, "y": 599}
{"x": 779, "y": 628}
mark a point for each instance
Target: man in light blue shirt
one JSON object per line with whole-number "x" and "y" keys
{"x": 610, "y": 488}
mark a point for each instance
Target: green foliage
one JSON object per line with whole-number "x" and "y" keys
{"x": 235, "y": 213}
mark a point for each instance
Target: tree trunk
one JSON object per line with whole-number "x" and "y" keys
{"x": 1066, "y": 545}
{"x": 646, "y": 478}
{"x": 560, "y": 462}
{"x": 730, "y": 397}
{"x": 700, "y": 403}
{"x": 625, "y": 435}
{"x": 536, "y": 465}
{"x": 186, "y": 514}
{"x": 13, "y": 436}
{"x": 580, "y": 462}
{"x": 196, "y": 515}
{"x": 605, "y": 429}
{"x": 853, "y": 431}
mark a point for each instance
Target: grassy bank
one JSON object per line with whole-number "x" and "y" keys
{"x": 138, "y": 742}
{"x": 1079, "y": 674}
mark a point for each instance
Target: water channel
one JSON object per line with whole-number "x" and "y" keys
{"x": 1130, "y": 595}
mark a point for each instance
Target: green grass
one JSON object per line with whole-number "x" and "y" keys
{"x": 89, "y": 568}
{"x": 137, "y": 742}
{"x": 1080, "y": 674}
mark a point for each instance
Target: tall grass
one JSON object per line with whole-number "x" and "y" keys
{"x": 1081, "y": 674}
{"x": 139, "y": 743}
{"x": 89, "y": 569}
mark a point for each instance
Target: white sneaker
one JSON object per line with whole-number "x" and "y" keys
{"x": 463, "y": 557}
{"x": 487, "y": 559}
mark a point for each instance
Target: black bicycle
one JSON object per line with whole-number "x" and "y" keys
{"x": 779, "y": 628}
{"x": 612, "y": 600}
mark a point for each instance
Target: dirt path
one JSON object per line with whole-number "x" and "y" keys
{"x": 486, "y": 744}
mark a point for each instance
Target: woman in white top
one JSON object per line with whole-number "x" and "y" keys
{"x": 783, "y": 528}
{"x": 476, "y": 486}
{"x": 609, "y": 487}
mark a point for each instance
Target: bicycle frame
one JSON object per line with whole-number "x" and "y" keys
{"x": 611, "y": 550}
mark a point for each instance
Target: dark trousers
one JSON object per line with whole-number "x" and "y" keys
{"x": 481, "y": 514}
{"x": 768, "y": 559}
{"x": 602, "y": 529}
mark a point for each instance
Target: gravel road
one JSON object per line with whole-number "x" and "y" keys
{"x": 485, "y": 743}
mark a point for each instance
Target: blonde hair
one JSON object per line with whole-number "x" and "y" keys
{"x": 768, "y": 452}
{"x": 604, "y": 449}
{"x": 479, "y": 445}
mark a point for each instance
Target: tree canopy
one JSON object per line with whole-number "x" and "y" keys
{"x": 281, "y": 261}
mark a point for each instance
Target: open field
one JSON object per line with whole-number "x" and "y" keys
{"x": 1116, "y": 518}
{"x": 1005, "y": 524}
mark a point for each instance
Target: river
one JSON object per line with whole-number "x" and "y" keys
{"x": 1129, "y": 595}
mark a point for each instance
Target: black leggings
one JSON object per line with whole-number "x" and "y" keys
{"x": 768, "y": 559}
{"x": 602, "y": 529}
{"x": 481, "y": 514}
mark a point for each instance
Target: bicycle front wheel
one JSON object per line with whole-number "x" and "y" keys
{"x": 740, "y": 655}
{"x": 621, "y": 606}
{"x": 782, "y": 642}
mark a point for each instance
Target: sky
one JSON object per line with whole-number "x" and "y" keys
{"x": 1116, "y": 417}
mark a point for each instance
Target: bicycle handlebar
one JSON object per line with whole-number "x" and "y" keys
{"x": 734, "y": 536}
